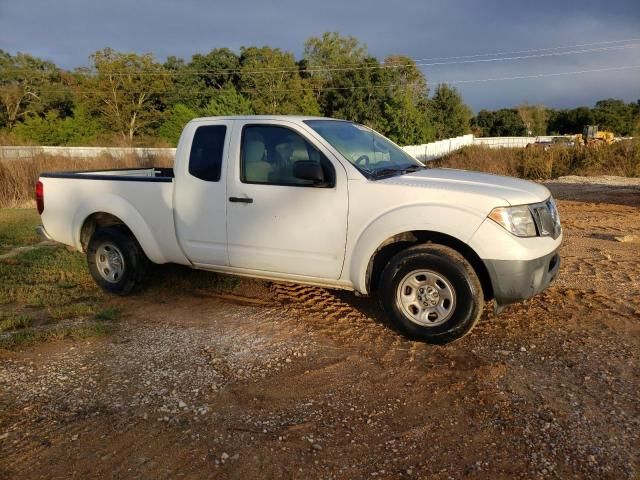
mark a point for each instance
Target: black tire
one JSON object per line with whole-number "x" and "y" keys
{"x": 117, "y": 240}
{"x": 464, "y": 310}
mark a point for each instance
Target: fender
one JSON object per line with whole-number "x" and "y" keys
{"x": 456, "y": 221}
{"x": 125, "y": 211}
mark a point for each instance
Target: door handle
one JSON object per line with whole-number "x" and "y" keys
{"x": 240, "y": 200}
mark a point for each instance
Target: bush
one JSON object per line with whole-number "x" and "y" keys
{"x": 620, "y": 158}
{"x": 172, "y": 127}
{"x": 80, "y": 129}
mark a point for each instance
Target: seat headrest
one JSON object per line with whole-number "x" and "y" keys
{"x": 255, "y": 151}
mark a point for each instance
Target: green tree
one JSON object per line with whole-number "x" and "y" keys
{"x": 30, "y": 86}
{"x": 227, "y": 101}
{"x": 216, "y": 69}
{"x": 349, "y": 83}
{"x": 570, "y": 121}
{"x": 325, "y": 60}
{"x": 406, "y": 103}
{"x": 183, "y": 87}
{"x": 50, "y": 129}
{"x": 172, "y": 127}
{"x": 614, "y": 115}
{"x": 358, "y": 95}
{"x": 195, "y": 83}
{"x": 449, "y": 114}
{"x": 502, "y": 123}
{"x": 391, "y": 97}
{"x": 126, "y": 91}
{"x": 271, "y": 80}
{"x": 534, "y": 117}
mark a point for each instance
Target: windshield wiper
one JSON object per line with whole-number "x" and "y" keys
{"x": 383, "y": 172}
{"x": 413, "y": 168}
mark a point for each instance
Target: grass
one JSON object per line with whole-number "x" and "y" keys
{"x": 17, "y": 228}
{"x": 12, "y": 322}
{"x": 45, "y": 288}
{"x": 47, "y": 293}
{"x": 52, "y": 278}
{"x": 109, "y": 314}
{"x": 620, "y": 158}
{"x": 30, "y": 336}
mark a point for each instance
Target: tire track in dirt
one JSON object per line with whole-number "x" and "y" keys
{"x": 339, "y": 321}
{"x": 18, "y": 250}
{"x": 317, "y": 301}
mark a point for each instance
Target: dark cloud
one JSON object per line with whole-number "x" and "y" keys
{"x": 68, "y": 31}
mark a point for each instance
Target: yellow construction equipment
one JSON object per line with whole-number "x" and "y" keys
{"x": 592, "y": 137}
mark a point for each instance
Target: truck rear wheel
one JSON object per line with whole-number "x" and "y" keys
{"x": 431, "y": 293}
{"x": 116, "y": 261}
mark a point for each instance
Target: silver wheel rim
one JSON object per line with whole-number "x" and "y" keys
{"x": 426, "y": 298}
{"x": 109, "y": 262}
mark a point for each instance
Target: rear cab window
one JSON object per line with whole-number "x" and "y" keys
{"x": 207, "y": 147}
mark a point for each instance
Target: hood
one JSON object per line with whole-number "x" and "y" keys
{"x": 512, "y": 191}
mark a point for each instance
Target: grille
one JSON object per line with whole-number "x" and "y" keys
{"x": 546, "y": 217}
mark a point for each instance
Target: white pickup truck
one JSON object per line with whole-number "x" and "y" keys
{"x": 316, "y": 201}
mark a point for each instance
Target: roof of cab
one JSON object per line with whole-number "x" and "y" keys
{"x": 297, "y": 118}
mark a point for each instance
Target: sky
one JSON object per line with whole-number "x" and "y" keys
{"x": 565, "y": 36}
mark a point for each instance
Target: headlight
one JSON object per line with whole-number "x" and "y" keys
{"x": 517, "y": 220}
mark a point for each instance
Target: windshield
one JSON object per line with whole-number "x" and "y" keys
{"x": 369, "y": 151}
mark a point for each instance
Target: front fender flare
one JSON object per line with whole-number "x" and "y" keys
{"x": 454, "y": 221}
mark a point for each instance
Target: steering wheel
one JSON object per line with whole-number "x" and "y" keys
{"x": 363, "y": 160}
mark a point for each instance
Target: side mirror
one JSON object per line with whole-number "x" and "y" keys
{"x": 308, "y": 170}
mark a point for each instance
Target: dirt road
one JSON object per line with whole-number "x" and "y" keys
{"x": 282, "y": 381}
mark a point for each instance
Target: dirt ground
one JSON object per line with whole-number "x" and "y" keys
{"x": 299, "y": 382}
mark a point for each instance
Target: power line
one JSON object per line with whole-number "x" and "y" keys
{"x": 523, "y": 57}
{"x": 379, "y": 66}
{"x": 543, "y": 75}
{"x": 387, "y": 85}
{"x": 516, "y": 52}
{"x": 426, "y": 62}
{"x": 324, "y": 69}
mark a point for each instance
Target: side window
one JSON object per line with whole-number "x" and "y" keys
{"x": 205, "y": 160}
{"x": 270, "y": 153}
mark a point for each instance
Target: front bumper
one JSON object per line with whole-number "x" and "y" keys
{"x": 515, "y": 280}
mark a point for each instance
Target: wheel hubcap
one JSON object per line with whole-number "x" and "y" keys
{"x": 426, "y": 298}
{"x": 110, "y": 262}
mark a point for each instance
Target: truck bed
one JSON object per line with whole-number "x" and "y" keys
{"x": 142, "y": 198}
{"x": 151, "y": 174}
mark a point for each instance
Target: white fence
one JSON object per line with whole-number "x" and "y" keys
{"x": 510, "y": 142}
{"x": 83, "y": 152}
{"x": 424, "y": 152}
{"x": 431, "y": 151}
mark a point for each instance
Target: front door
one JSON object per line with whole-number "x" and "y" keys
{"x": 277, "y": 222}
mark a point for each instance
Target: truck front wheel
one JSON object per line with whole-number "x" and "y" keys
{"x": 431, "y": 293}
{"x": 116, "y": 261}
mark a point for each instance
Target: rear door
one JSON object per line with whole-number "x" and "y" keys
{"x": 201, "y": 193}
{"x": 275, "y": 221}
